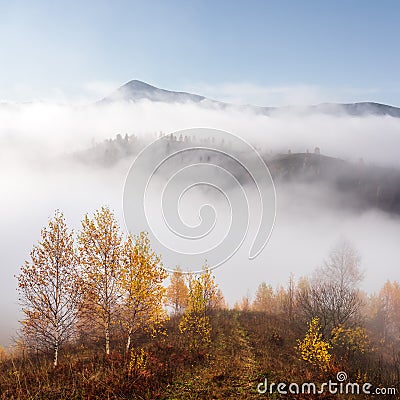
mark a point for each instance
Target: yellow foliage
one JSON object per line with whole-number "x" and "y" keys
{"x": 195, "y": 323}
{"x": 138, "y": 361}
{"x": 50, "y": 288}
{"x": 100, "y": 247}
{"x": 313, "y": 348}
{"x": 141, "y": 286}
{"x": 351, "y": 340}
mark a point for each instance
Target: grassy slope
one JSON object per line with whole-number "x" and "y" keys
{"x": 246, "y": 348}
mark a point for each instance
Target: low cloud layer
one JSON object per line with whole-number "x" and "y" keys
{"x": 56, "y": 129}
{"x": 38, "y": 176}
{"x": 284, "y": 95}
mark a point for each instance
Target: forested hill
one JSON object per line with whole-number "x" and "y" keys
{"x": 357, "y": 184}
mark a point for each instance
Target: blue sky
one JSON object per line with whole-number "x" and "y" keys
{"x": 232, "y": 50}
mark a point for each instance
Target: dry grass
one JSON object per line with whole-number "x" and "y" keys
{"x": 246, "y": 348}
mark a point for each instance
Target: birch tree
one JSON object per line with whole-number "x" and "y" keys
{"x": 143, "y": 295}
{"x": 50, "y": 289}
{"x": 100, "y": 246}
{"x": 333, "y": 295}
{"x": 195, "y": 323}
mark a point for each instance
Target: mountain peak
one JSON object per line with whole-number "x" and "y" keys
{"x": 137, "y": 85}
{"x": 136, "y": 90}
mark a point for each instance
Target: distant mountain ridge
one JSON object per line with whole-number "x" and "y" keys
{"x": 136, "y": 90}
